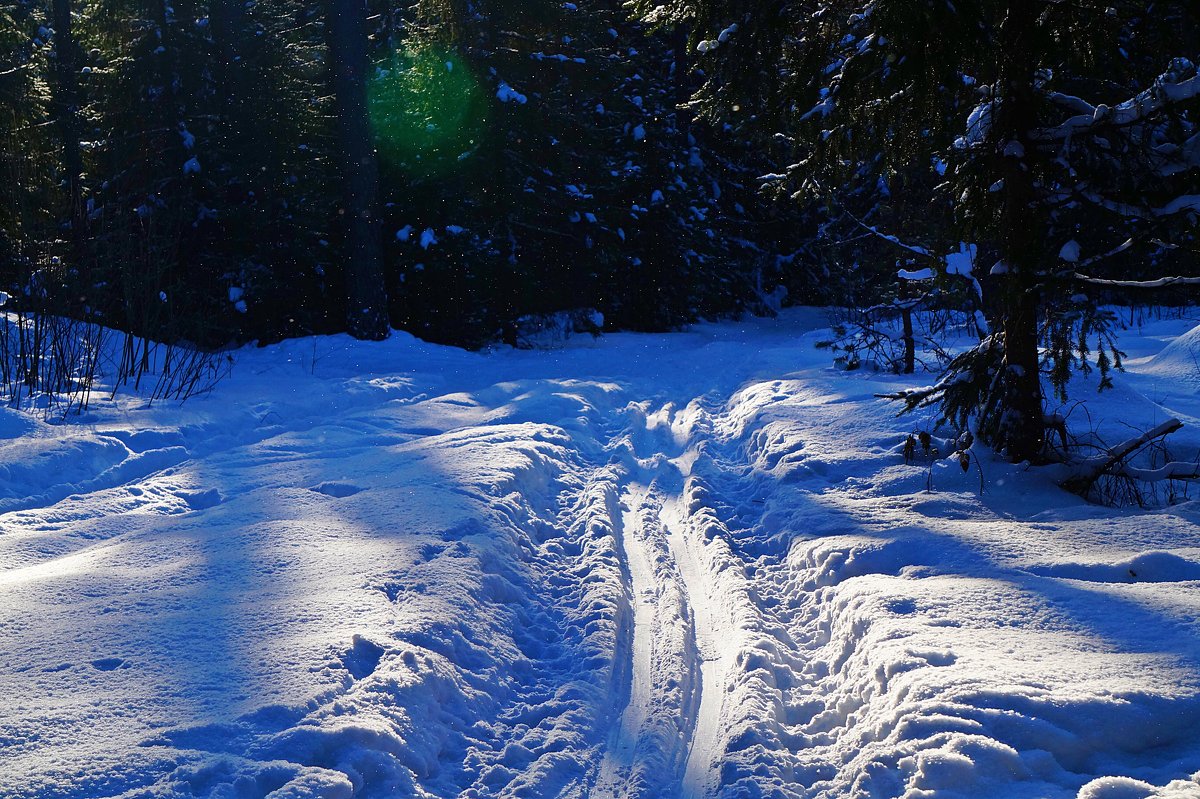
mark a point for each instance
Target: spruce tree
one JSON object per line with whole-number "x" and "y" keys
{"x": 993, "y": 95}
{"x": 30, "y": 205}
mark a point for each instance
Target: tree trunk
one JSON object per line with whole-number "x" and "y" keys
{"x": 225, "y": 19}
{"x": 910, "y": 344}
{"x": 1021, "y": 428}
{"x": 366, "y": 312}
{"x": 683, "y": 90}
{"x": 67, "y": 64}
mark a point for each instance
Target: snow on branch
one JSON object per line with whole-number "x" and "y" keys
{"x": 1112, "y": 463}
{"x": 1120, "y": 248}
{"x": 1072, "y": 103}
{"x": 1142, "y": 106}
{"x": 1158, "y": 283}
{"x": 1175, "y": 470}
{"x": 913, "y": 248}
{"x": 1184, "y": 202}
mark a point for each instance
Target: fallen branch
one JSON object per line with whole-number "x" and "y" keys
{"x": 1092, "y": 469}
{"x": 1175, "y": 470}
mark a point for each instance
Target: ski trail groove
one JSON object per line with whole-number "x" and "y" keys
{"x": 684, "y": 640}
{"x": 713, "y": 631}
{"x": 617, "y": 765}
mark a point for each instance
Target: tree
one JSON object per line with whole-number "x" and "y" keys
{"x": 366, "y": 297}
{"x": 68, "y": 62}
{"x": 29, "y": 202}
{"x": 525, "y": 158}
{"x": 990, "y": 94}
{"x": 536, "y": 159}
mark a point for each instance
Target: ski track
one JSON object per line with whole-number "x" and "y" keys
{"x": 714, "y": 635}
{"x": 619, "y": 754}
{"x": 684, "y": 643}
{"x": 677, "y": 638}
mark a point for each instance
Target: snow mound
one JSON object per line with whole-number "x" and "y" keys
{"x": 1149, "y": 567}
{"x": 1129, "y": 788}
{"x": 1180, "y": 359}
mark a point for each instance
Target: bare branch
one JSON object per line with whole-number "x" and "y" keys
{"x": 1092, "y": 469}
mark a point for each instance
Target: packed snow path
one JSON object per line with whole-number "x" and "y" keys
{"x": 685, "y": 566}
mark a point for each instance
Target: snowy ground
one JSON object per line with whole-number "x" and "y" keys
{"x": 691, "y": 565}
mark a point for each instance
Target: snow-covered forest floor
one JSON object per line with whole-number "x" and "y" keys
{"x": 687, "y": 565}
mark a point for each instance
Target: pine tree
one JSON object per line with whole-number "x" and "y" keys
{"x": 991, "y": 93}
{"x": 68, "y": 62}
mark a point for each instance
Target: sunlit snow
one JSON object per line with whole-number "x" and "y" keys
{"x": 686, "y": 565}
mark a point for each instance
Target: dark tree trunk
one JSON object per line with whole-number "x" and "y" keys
{"x": 1023, "y": 429}
{"x": 1022, "y": 238}
{"x": 683, "y": 90}
{"x": 366, "y": 296}
{"x": 67, "y": 64}
{"x": 225, "y": 23}
{"x": 910, "y": 344}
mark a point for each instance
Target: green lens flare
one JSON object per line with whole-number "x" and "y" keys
{"x": 427, "y": 110}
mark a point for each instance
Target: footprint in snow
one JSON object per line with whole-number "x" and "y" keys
{"x": 362, "y": 658}
{"x": 145, "y": 440}
{"x": 200, "y": 500}
{"x": 335, "y": 489}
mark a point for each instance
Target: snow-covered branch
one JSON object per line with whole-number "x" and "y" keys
{"x": 14, "y": 70}
{"x": 1120, "y": 248}
{"x": 1113, "y": 461}
{"x": 1072, "y": 103}
{"x": 1142, "y": 106}
{"x": 1158, "y": 283}
{"x": 1184, "y": 202}
{"x": 913, "y": 248}
{"x": 1176, "y": 470}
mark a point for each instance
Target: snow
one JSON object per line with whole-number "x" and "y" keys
{"x": 962, "y": 263}
{"x": 506, "y": 93}
{"x": 685, "y": 565}
{"x": 1179, "y": 360}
